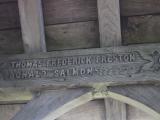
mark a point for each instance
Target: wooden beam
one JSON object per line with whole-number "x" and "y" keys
{"x": 121, "y": 65}
{"x": 32, "y": 25}
{"x": 110, "y": 35}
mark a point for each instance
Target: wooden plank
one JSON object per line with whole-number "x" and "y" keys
{"x": 141, "y": 29}
{"x": 54, "y": 13}
{"x": 32, "y": 25}
{"x": 52, "y": 104}
{"x": 66, "y": 36}
{"x": 58, "y": 37}
{"x": 121, "y": 65}
{"x": 7, "y": 1}
{"x": 144, "y": 97}
{"x": 66, "y": 11}
{"x": 9, "y": 17}
{"x": 109, "y": 22}
{"x": 140, "y": 7}
{"x": 11, "y": 36}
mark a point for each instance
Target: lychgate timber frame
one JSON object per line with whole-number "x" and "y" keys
{"x": 77, "y": 76}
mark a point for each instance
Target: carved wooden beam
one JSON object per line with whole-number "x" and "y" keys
{"x": 109, "y": 66}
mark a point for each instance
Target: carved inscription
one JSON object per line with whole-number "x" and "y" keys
{"x": 125, "y": 64}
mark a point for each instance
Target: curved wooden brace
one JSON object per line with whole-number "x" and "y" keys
{"x": 144, "y": 97}
{"x": 52, "y": 105}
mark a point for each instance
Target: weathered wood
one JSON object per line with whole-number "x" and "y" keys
{"x": 11, "y": 36}
{"x": 86, "y": 9}
{"x": 144, "y": 97}
{"x": 85, "y": 34}
{"x": 93, "y": 110}
{"x": 140, "y": 7}
{"x": 58, "y": 37}
{"x": 62, "y": 11}
{"x": 54, "y": 13}
{"x": 141, "y": 29}
{"x": 121, "y": 65}
{"x": 51, "y": 104}
{"x": 13, "y": 96}
{"x": 66, "y": 36}
{"x": 6, "y": 1}
{"x": 8, "y": 111}
{"x": 137, "y": 114}
{"x": 115, "y": 110}
{"x": 32, "y": 25}
{"x": 109, "y": 22}
{"x": 9, "y": 17}
{"x": 33, "y": 40}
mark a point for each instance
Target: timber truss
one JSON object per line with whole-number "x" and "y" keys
{"x": 60, "y": 81}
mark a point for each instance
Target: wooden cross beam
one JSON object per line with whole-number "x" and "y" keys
{"x": 107, "y": 66}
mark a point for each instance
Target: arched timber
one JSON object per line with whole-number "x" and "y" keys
{"x": 144, "y": 97}
{"x": 52, "y": 105}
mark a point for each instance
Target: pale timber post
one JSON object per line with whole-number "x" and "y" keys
{"x": 32, "y": 25}
{"x": 110, "y": 35}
